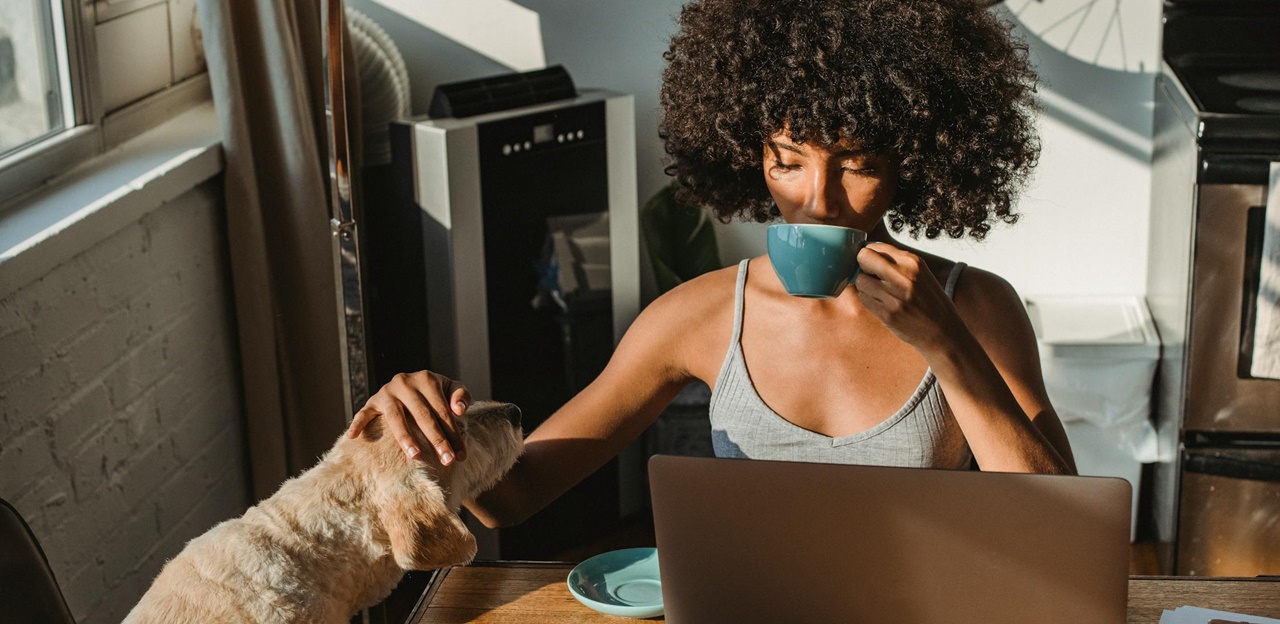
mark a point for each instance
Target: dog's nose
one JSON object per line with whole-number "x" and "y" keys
{"x": 513, "y": 414}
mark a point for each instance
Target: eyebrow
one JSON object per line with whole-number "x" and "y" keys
{"x": 794, "y": 148}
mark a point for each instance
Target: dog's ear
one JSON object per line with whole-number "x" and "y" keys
{"x": 424, "y": 534}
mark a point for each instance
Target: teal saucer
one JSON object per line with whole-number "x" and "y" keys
{"x": 621, "y": 582}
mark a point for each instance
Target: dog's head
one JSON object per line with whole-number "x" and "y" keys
{"x": 418, "y": 505}
{"x": 494, "y": 442}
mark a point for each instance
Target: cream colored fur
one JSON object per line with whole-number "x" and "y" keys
{"x": 338, "y": 537}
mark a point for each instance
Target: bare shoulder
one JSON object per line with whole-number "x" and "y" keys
{"x": 994, "y": 313}
{"x": 986, "y": 299}
{"x": 686, "y": 323}
{"x": 699, "y": 296}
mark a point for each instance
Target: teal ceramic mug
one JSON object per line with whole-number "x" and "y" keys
{"x": 813, "y": 260}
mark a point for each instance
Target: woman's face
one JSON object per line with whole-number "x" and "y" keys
{"x": 835, "y": 185}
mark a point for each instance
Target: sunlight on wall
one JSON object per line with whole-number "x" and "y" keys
{"x": 497, "y": 29}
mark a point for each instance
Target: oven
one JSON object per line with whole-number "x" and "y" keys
{"x": 1216, "y": 492}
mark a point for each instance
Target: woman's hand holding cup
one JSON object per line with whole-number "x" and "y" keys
{"x": 898, "y": 288}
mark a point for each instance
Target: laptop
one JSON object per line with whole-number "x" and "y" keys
{"x": 743, "y": 541}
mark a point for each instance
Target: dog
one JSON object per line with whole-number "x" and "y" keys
{"x": 338, "y": 537}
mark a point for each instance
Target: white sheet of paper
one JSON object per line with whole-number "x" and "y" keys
{"x": 1266, "y": 336}
{"x": 1197, "y": 615}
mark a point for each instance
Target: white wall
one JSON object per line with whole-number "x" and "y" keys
{"x": 121, "y": 422}
{"x": 1085, "y": 212}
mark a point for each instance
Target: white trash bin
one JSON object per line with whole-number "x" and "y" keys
{"x": 1099, "y": 359}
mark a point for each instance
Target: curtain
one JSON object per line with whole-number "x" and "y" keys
{"x": 267, "y": 72}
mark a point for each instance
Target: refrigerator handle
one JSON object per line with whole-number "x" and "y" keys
{"x": 1231, "y": 467}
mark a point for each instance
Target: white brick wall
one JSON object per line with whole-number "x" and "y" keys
{"x": 121, "y": 424}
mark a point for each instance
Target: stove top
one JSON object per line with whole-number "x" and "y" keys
{"x": 1226, "y": 55}
{"x": 1236, "y": 101}
{"x": 1242, "y": 88}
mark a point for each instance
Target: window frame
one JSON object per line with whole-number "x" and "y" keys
{"x": 90, "y": 130}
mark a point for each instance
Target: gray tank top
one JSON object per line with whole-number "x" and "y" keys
{"x": 923, "y": 433}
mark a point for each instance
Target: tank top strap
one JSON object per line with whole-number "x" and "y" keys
{"x": 738, "y": 295}
{"x": 952, "y": 277}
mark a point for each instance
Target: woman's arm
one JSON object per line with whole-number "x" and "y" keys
{"x": 677, "y": 338}
{"x": 640, "y": 380}
{"x": 645, "y": 372}
{"x": 996, "y": 320}
{"x": 982, "y": 350}
{"x": 647, "y": 369}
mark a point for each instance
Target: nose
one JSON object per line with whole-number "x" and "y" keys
{"x": 512, "y": 413}
{"x": 823, "y": 202}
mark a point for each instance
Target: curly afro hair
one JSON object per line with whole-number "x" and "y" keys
{"x": 939, "y": 85}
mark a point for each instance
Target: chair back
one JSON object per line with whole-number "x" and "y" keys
{"x": 28, "y": 590}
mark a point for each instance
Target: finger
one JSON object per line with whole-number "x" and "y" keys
{"x": 459, "y": 397}
{"x": 872, "y": 259}
{"x": 884, "y": 248}
{"x": 868, "y": 284}
{"x": 907, "y": 263}
{"x": 883, "y": 270}
{"x": 897, "y": 254}
{"x": 398, "y": 424}
{"x": 361, "y": 420}
{"x": 901, "y": 270}
{"x": 433, "y": 421}
{"x": 872, "y": 292}
{"x": 460, "y": 400}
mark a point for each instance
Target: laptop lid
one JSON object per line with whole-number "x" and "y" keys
{"x": 764, "y": 541}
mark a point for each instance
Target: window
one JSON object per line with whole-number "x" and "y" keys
{"x": 33, "y": 73}
{"x": 78, "y": 77}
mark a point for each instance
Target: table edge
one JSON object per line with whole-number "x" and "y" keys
{"x": 438, "y": 578}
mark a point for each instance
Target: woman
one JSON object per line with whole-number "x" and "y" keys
{"x": 912, "y": 112}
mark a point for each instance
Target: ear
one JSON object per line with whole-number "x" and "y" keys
{"x": 424, "y": 534}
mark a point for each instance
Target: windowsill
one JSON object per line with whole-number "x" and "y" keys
{"x": 95, "y": 200}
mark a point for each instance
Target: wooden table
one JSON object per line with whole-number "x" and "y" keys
{"x": 535, "y": 592}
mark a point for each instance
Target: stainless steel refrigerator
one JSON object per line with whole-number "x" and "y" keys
{"x": 1216, "y": 495}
